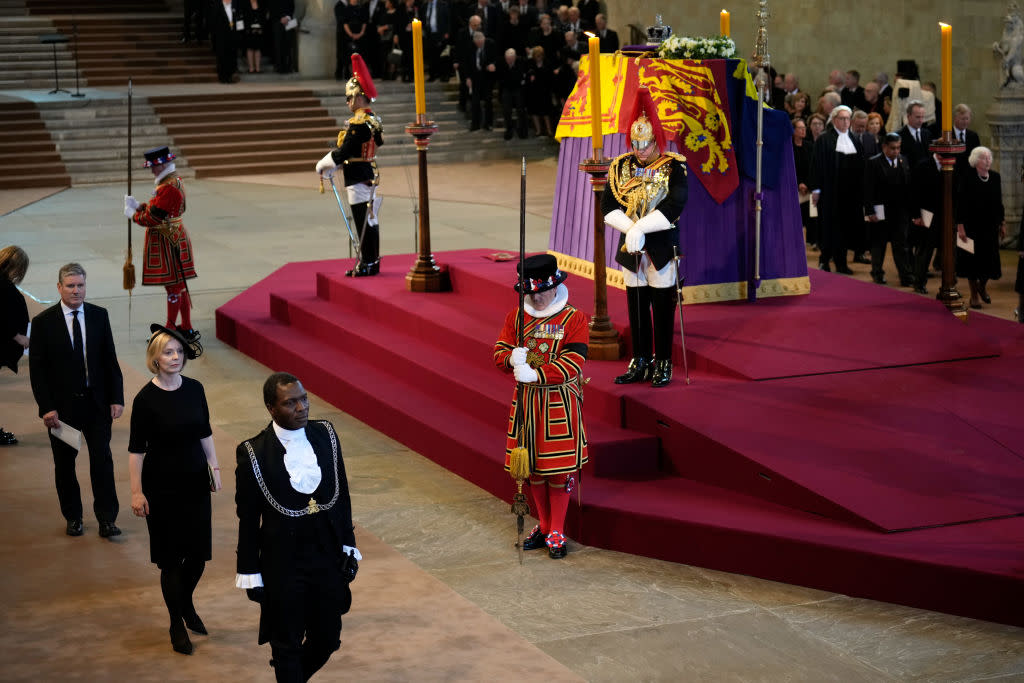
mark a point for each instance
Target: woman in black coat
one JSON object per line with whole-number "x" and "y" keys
{"x": 13, "y": 316}
{"x": 802, "y": 152}
{"x": 979, "y": 216}
{"x": 540, "y": 84}
{"x": 257, "y": 24}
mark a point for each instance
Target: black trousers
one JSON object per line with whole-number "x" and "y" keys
{"x": 433, "y": 45}
{"x": 284, "y": 48}
{"x": 308, "y": 628}
{"x": 514, "y": 104}
{"x": 894, "y": 232}
{"x": 94, "y": 423}
{"x": 481, "y": 102}
{"x": 227, "y": 59}
{"x": 195, "y": 9}
{"x": 925, "y": 241}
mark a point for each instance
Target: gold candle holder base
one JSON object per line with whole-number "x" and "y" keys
{"x": 426, "y": 275}
{"x": 604, "y": 338}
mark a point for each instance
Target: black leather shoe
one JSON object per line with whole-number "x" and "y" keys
{"x": 75, "y": 527}
{"x": 662, "y": 373}
{"x": 364, "y": 269}
{"x": 534, "y": 540}
{"x": 879, "y": 280}
{"x": 825, "y": 267}
{"x": 7, "y": 439}
{"x": 985, "y": 297}
{"x": 108, "y": 529}
{"x": 179, "y": 639}
{"x": 906, "y": 283}
{"x": 638, "y": 370}
{"x": 860, "y": 259}
{"x": 920, "y": 289}
{"x": 844, "y": 270}
{"x": 195, "y": 624}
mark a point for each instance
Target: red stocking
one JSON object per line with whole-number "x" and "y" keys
{"x": 173, "y": 304}
{"x": 186, "y": 309}
{"x": 558, "y": 499}
{"x": 541, "y": 509}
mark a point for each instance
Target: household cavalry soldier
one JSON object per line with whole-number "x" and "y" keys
{"x": 548, "y": 372}
{"x": 167, "y": 258}
{"x": 645, "y": 194}
{"x": 356, "y": 153}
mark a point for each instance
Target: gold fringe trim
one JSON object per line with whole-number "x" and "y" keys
{"x": 694, "y": 294}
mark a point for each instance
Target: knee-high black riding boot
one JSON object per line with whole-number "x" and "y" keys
{"x": 664, "y": 304}
{"x": 638, "y": 304}
{"x": 368, "y": 242}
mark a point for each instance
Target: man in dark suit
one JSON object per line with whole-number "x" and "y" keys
{"x": 296, "y": 543}
{"x": 961, "y": 120}
{"x": 224, "y": 15}
{"x": 926, "y": 217}
{"x": 887, "y": 201}
{"x": 465, "y": 48}
{"x": 527, "y": 14}
{"x": 512, "y": 84}
{"x": 852, "y": 94}
{"x": 281, "y": 13}
{"x": 915, "y": 137}
{"x": 490, "y": 16}
{"x": 483, "y": 66}
{"x": 608, "y": 40}
{"x": 837, "y": 176}
{"x": 76, "y": 380}
{"x": 437, "y": 31}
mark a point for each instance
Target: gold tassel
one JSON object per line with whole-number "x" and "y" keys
{"x": 519, "y": 463}
{"x": 321, "y": 184}
{"x": 128, "y": 272}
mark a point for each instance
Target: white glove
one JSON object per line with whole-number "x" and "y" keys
{"x": 618, "y": 220}
{"x": 130, "y": 202}
{"x": 525, "y": 374}
{"x": 129, "y": 212}
{"x": 635, "y": 239}
{"x": 326, "y": 164}
{"x": 655, "y": 221}
{"x": 518, "y": 356}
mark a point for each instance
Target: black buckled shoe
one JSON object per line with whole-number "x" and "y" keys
{"x": 195, "y": 624}
{"x": 662, "y": 374}
{"x": 7, "y": 439}
{"x": 75, "y": 527}
{"x": 180, "y": 641}
{"x": 638, "y": 370}
{"x": 364, "y": 269}
{"x": 534, "y": 540}
{"x": 108, "y": 529}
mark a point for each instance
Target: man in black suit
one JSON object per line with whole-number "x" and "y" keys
{"x": 483, "y": 67}
{"x": 296, "y": 544}
{"x": 852, "y": 94}
{"x": 437, "y": 31}
{"x": 915, "y": 137}
{"x": 608, "y": 40}
{"x": 527, "y": 15}
{"x": 490, "y": 16}
{"x": 961, "y": 120}
{"x": 224, "y": 14}
{"x": 76, "y": 380}
{"x": 512, "y": 84}
{"x": 837, "y": 176}
{"x": 926, "y": 217}
{"x": 281, "y": 14}
{"x": 887, "y": 200}
{"x": 465, "y": 48}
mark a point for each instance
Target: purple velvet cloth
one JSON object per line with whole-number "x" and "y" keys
{"x": 717, "y": 241}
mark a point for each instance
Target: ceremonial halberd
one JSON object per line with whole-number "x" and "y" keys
{"x": 709, "y": 112}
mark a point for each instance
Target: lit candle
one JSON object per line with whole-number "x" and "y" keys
{"x": 417, "y": 66}
{"x": 723, "y": 23}
{"x": 595, "y": 95}
{"x": 947, "y": 76}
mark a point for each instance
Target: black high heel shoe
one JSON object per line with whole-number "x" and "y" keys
{"x": 195, "y": 624}
{"x": 179, "y": 639}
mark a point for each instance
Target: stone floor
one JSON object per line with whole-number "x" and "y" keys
{"x": 440, "y": 595}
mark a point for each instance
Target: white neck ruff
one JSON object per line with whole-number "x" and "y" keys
{"x": 168, "y": 169}
{"x": 559, "y": 302}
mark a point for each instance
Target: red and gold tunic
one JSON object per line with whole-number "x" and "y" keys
{"x": 167, "y": 255}
{"x": 553, "y": 430}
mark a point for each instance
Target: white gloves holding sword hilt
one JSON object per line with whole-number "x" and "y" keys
{"x": 131, "y": 204}
{"x": 326, "y": 166}
{"x": 520, "y": 368}
{"x": 636, "y": 231}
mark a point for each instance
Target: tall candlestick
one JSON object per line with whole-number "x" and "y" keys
{"x": 947, "y": 76}
{"x": 595, "y": 96}
{"x": 417, "y": 66}
{"x": 723, "y": 23}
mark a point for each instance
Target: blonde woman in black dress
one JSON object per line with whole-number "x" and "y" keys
{"x": 173, "y": 468}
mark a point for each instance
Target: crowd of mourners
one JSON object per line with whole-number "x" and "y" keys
{"x": 868, "y": 180}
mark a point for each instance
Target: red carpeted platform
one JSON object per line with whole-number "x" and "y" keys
{"x": 858, "y": 439}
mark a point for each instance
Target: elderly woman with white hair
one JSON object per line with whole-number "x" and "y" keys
{"x": 979, "y": 216}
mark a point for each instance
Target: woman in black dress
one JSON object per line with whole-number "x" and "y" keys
{"x": 802, "y": 161}
{"x": 540, "y": 83}
{"x": 257, "y": 23}
{"x": 173, "y": 468}
{"x": 979, "y": 216}
{"x": 13, "y": 316}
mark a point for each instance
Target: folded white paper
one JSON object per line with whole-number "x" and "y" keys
{"x": 239, "y": 25}
{"x": 813, "y": 210}
{"x": 68, "y": 435}
{"x": 292, "y": 24}
{"x": 965, "y": 244}
{"x": 926, "y": 217}
{"x": 880, "y": 211}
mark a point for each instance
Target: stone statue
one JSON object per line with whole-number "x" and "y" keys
{"x": 1011, "y": 48}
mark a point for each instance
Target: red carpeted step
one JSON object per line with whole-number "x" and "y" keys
{"x": 474, "y": 389}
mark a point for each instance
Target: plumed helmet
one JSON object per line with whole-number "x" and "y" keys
{"x": 361, "y": 82}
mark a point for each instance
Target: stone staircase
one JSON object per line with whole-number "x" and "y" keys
{"x": 28, "y": 157}
{"x": 112, "y": 49}
{"x": 28, "y": 63}
{"x": 93, "y": 6}
{"x": 91, "y": 137}
{"x": 13, "y": 8}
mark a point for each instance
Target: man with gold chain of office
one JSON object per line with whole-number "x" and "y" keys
{"x": 356, "y": 153}
{"x": 645, "y": 195}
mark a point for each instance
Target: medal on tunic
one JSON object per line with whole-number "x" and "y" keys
{"x": 312, "y": 508}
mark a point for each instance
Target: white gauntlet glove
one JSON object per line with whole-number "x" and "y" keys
{"x": 525, "y": 374}
{"x": 655, "y": 221}
{"x": 635, "y": 239}
{"x": 326, "y": 165}
{"x": 618, "y": 220}
{"x": 130, "y": 205}
{"x": 518, "y": 356}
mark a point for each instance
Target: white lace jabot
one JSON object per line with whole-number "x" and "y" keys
{"x": 299, "y": 459}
